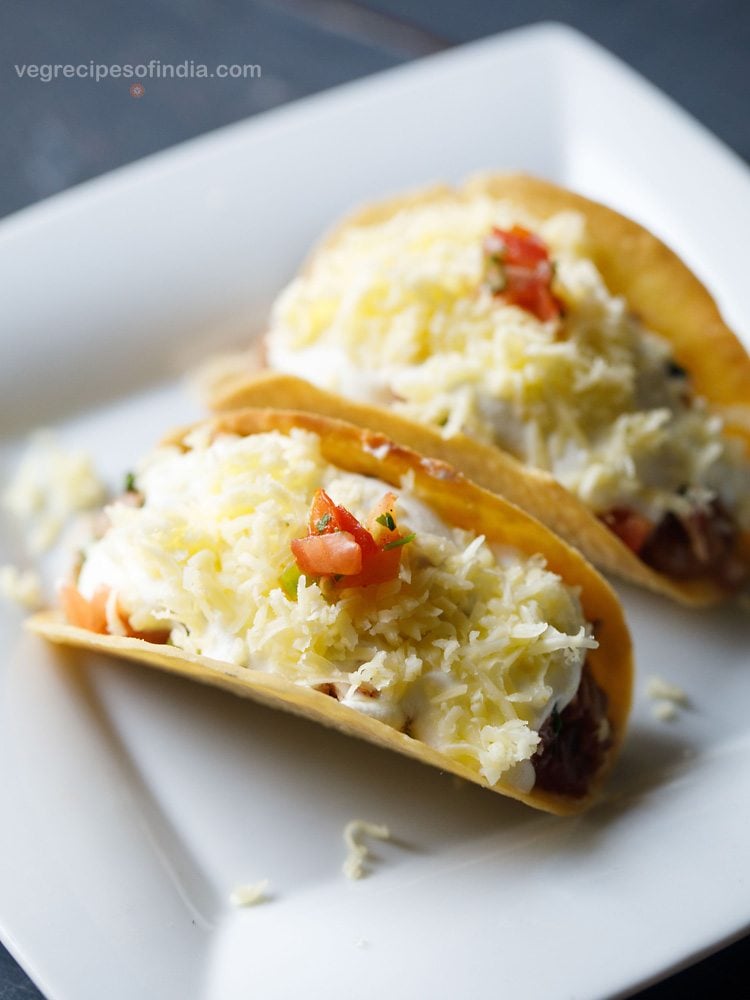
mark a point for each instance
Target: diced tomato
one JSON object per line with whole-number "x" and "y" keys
{"x": 520, "y": 271}
{"x": 92, "y": 614}
{"x": 517, "y": 246}
{"x": 381, "y": 518}
{"x": 334, "y": 554}
{"x": 338, "y": 546}
{"x": 630, "y": 527}
{"x": 380, "y": 567}
{"x": 322, "y": 514}
{"x": 88, "y": 614}
{"x": 327, "y": 517}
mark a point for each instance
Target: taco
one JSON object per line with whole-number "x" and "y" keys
{"x": 555, "y": 351}
{"x": 320, "y": 568}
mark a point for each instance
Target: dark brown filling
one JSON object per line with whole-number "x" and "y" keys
{"x": 703, "y": 544}
{"x": 574, "y": 742}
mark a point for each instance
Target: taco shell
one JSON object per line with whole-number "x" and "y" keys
{"x": 458, "y": 502}
{"x": 658, "y": 287}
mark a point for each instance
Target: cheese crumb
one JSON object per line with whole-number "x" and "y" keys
{"x": 51, "y": 484}
{"x": 667, "y": 697}
{"x": 354, "y": 865}
{"x": 664, "y": 711}
{"x": 22, "y": 586}
{"x": 659, "y": 689}
{"x": 250, "y": 894}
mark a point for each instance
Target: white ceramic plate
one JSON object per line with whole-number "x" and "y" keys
{"x": 132, "y": 803}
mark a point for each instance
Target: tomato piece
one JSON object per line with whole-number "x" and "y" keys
{"x": 380, "y": 567}
{"x": 326, "y": 517}
{"x": 322, "y": 514}
{"x": 630, "y": 527}
{"x": 381, "y": 523}
{"x": 519, "y": 246}
{"x": 340, "y": 547}
{"x": 88, "y": 614}
{"x": 349, "y": 523}
{"x": 520, "y": 271}
{"x": 333, "y": 554}
{"x": 92, "y": 614}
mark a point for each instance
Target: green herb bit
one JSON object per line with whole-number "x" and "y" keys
{"x": 396, "y": 543}
{"x": 130, "y": 486}
{"x": 289, "y": 580}
{"x": 322, "y": 523}
{"x": 387, "y": 521}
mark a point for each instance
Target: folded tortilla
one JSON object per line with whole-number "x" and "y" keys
{"x": 458, "y": 503}
{"x": 658, "y": 288}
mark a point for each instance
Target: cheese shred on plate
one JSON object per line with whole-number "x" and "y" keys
{"x": 402, "y": 313}
{"x": 355, "y": 831}
{"x": 249, "y": 894}
{"x": 51, "y": 484}
{"x": 470, "y": 649}
{"x": 22, "y": 586}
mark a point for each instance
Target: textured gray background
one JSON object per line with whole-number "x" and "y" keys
{"x": 61, "y": 133}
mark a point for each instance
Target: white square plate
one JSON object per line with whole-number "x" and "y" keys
{"x": 133, "y": 803}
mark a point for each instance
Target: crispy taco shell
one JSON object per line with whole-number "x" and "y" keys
{"x": 658, "y": 287}
{"x": 459, "y": 502}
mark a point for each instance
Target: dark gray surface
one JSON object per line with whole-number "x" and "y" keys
{"x": 61, "y": 133}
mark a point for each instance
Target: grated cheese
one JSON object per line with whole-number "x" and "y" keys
{"x": 657, "y": 688}
{"x": 664, "y": 711}
{"x": 250, "y": 894}
{"x": 355, "y": 864}
{"x": 667, "y": 698}
{"x": 472, "y": 645}
{"x": 398, "y": 313}
{"x": 51, "y": 484}
{"x": 24, "y": 587}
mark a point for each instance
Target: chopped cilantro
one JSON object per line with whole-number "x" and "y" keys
{"x": 387, "y": 521}
{"x": 130, "y": 482}
{"x": 399, "y": 541}
{"x": 322, "y": 523}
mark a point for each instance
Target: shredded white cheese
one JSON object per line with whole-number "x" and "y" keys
{"x": 250, "y": 894}
{"x": 355, "y": 863}
{"x": 399, "y": 313}
{"x": 24, "y": 587}
{"x": 659, "y": 689}
{"x": 664, "y": 711}
{"x": 472, "y": 646}
{"x": 667, "y": 698}
{"x": 51, "y": 484}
